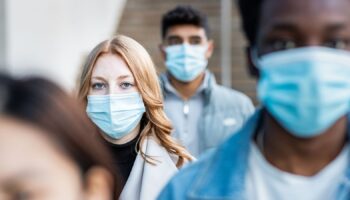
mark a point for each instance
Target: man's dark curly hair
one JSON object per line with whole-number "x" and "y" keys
{"x": 250, "y": 14}
{"x": 184, "y": 15}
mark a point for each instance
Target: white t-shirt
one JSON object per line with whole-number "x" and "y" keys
{"x": 266, "y": 182}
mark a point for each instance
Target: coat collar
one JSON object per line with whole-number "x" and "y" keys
{"x": 146, "y": 180}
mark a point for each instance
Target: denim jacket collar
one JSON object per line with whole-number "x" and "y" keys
{"x": 228, "y": 167}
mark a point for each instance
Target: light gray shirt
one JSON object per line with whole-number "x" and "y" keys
{"x": 185, "y": 114}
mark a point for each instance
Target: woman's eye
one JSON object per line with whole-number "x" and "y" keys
{"x": 99, "y": 86}
{"x": 126, "y": 85}
{"x": 337, "y": 44}
{"x": 280, "y": 45}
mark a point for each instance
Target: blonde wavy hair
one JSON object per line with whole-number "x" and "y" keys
{"x": 144, "y": 72}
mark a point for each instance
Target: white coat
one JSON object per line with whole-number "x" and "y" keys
{"x": 146, "y": 181}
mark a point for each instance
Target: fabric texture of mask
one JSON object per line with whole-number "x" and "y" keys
{"x": 185, "y": 62}
{"x": 117, "y": 114}
{"x": 306, "y": 89}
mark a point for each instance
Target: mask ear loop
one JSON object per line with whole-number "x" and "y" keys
{"x": 206, "y": 46}
{"x": 255, "y": 58}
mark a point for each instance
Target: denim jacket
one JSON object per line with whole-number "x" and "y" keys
{"x": 220, "y": 174}
{"x": 225, "y": 111}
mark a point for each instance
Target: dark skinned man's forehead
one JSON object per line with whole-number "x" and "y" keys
{"x": 305, "y": 6}
{"x": 284, "y": 13}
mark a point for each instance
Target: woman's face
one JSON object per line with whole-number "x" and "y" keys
{"x": 111, "y": 75}
{"x": 32, "y": 167}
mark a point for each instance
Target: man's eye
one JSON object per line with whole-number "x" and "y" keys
{"x": 99, "y": 86}
{"x": 280, "y": 45}
{"x": 174, "y": 41}
{"x": 337, "y": 44}
{"x": 126, "y": 85}
{"x": 195, "y": 41}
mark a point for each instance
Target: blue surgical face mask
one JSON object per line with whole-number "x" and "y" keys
{"x": 305, "y": 89}
{"x": 117, "y": 114}
{"x": 185, "y": 62}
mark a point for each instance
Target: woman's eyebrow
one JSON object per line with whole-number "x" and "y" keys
{"x": 98, "y": 78}
{"x": 124, "y": 77}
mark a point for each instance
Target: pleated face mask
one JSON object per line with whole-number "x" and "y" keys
{"x": 117, "y": 114}
{"x": 185, "y": 62}
{"x": 306, "y": 89}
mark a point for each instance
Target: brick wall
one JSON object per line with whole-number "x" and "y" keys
{"x": 141, "y": 21}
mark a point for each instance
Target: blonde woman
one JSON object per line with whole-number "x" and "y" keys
{"x": 120, "y": 88}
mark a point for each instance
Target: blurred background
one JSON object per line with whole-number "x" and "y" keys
{"x": 52, "y": 38}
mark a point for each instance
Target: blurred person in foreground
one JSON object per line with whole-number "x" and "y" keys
{"x": 47, "y": 146}
{"x": 296, "y": 146}
{"x": 120, "y": 89}
{"x": 203, "y": 113}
